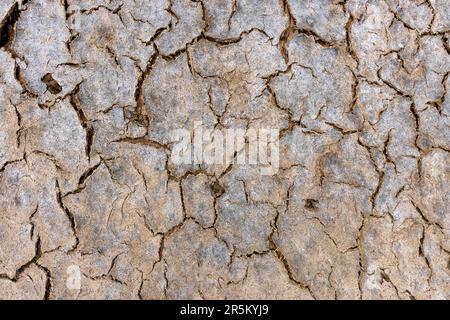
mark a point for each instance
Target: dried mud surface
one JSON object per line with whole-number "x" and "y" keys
{"x": 90, "y": 91}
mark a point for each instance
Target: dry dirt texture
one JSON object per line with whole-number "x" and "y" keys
{"x": 91, "y": 89}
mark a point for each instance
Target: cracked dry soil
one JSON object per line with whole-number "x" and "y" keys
{"x": 90, "y": 91}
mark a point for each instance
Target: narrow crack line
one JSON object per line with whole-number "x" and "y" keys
{"x": 204, "y": 15}
{"x": 105, "y": 277}
{"x": 69, "y": 215}
{"x": 392, "y": 86}
{"x": 166, "y": 280}
{"x": 285, "y": 263}
{"x": 156, "y": 35}
{"x": 48, "y": 282}
{"x": 8, "y": 28}
{"x": 382, "y": 155}
{"x": 359, "y": 247}
{"x": 324, "y": 229}
{"x": 141, "y": 115}
{"x": 169, "y": 10}
{"x": 8, "y": 163}
{"x": 84, "y": 121}
{"x": 19, "y": 123}
{"x": 164, "y": 235}
{"x": 234, "y": 10}
{"x": 24, "y": 267}
{"x": 216, "y": 191}
{"x": 433, "y": 13}
{"x": 238, "y": 282}
{"x": 145, "y": 142}
{"x": 438, "y": 103}
{"x": 386, "y": 278}
{"x": 374, "y": 195}
{"x": 289, "y": 33}
{"x": 31, "y": 218}
{"x": 108, "y": 275}
{"x": 34, "y": 261}
{"x": 331, "y": 283}
{"x": 385, "y": 150}
{"x": 349, "y": 39}
{"x": 73, "y": 35}
{"x": 424, "y": 217}
{"x": 115, "y": 11}
{"x": 83, "y": 178}
{"x": 424, "y": 256}
{"x": 317, "y": 39}
{"x": 278, "y": 253}
{"x": 8, "y": 25}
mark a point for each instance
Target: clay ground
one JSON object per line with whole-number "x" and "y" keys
{"x": 91, "y": 90}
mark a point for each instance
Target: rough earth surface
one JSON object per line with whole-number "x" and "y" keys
{"x": 90, "y": 91}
